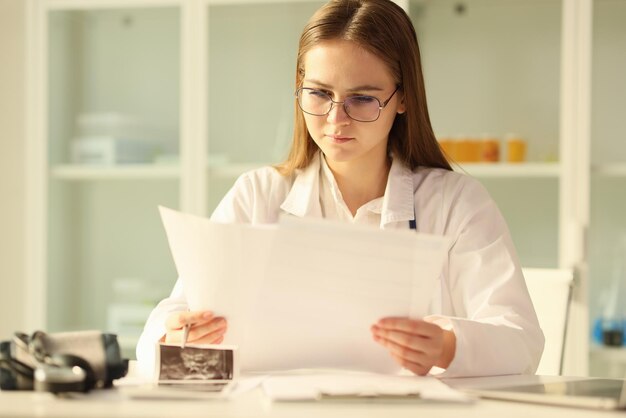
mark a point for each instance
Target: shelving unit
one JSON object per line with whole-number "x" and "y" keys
{"x": 510, "y": 170}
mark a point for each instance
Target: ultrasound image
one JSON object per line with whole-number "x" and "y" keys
{"x": 193, "y": 363}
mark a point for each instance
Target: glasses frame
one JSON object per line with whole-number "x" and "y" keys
{"x": 381, "y": 105}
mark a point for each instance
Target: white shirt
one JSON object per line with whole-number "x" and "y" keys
{"x": 481, "y": 293}
{"x": 334, "y": 207}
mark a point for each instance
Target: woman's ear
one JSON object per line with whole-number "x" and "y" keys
{"x": 401, "y": 107}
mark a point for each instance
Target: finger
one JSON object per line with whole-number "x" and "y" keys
{"x": 411, "y": 341}
{"x": 214, "y": 338}
{"x": 419, "y": 369}
{"x": 180, "y": 319}
{"x": 216, "y": 326}
{"x": 400, "y": 338}
{"x": 406, "y": 353}
{"x": 427, "y": 345}
{"x": 176, "y": 336}
{"x": 411, "y": 326}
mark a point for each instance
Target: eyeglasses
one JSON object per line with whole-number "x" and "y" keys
{"x": 360, "y": 108}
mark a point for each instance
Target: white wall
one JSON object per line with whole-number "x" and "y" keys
{"x": 12, "y": 182}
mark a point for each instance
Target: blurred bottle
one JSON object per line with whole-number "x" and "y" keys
{"x": 468, "y": 149}
{"x": 515, "y": 149}
{"x": 612, "y": 321}
{"x": 448, "y": 146}
{"x": 490, "y": 149}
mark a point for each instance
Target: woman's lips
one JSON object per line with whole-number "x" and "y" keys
{"x": 339, "y": 139}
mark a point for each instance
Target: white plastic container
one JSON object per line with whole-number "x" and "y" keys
{"x": 110, "y": 150}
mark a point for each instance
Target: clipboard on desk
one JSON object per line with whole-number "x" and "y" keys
{"x": 345, "y": 385}
{"x": 606, "y": 394}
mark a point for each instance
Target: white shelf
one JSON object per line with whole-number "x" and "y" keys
{"x": 495, "y": 170}
{"x": 610, "y": 354}
{"x": 233, "y": 170}
{"x": 78, "y": 172}
{"x": 509, "y": 170}
{"x": 609, "y": 170}
{"x": 114, "y": 172}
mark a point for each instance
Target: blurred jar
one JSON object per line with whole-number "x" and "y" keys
{"x": 448, "y": 146}
{"x": 490, "y": 150}
{"x": 612, "y": 331}
{"x": 515, "y": 149}
{"x": 613, "y": 323}
{"x": 468, "y": 150}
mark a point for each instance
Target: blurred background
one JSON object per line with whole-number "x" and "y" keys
{"x": 109, "y": 108}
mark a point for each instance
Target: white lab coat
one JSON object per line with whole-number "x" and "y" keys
{"x": 481, "y": 294}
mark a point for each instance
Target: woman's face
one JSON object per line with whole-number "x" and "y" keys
{"x": 342, "y": 69}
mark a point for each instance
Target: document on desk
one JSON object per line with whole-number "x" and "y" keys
{"x": 304, "y": 293}
{"x": 318, "y": 385}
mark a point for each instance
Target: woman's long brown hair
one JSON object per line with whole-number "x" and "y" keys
{"x": 384, "y": 29}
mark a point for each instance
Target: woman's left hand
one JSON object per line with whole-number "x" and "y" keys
{"x": 415, "y": 344}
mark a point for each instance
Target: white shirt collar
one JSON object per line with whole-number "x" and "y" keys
{"x": 304, "y": 198}
{"x": 396, "y": 206}
{"x": 334, "y": 206}
{"x": 399, "y": 199}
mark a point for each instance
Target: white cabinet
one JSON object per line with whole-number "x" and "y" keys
{"x": 135, "y": 104}
{"x": 191, "y": 93}
{"x": 607, "y": 233}
{"x": 109, "y": 82}
{"x": 491, "y": 68}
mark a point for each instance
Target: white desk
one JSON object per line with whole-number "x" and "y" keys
{"x": 254, "y": 404}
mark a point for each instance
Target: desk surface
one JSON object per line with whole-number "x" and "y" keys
{"x": 254, "y": 404}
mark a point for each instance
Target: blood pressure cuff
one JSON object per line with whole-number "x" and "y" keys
{"x": 61, "y": 362}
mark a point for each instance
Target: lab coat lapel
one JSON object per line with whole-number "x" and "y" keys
{"x": 399, "y": 200}
{"x": 303, "y": 200}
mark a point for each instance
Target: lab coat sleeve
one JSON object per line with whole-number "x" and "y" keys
{"x": 238, "y": 204}
{"x": 155, "y": 329}
{"x": 496, "y": 328}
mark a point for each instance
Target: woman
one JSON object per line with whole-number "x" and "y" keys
{"x": 364, "y": 152}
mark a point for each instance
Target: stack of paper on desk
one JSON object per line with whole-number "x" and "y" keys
{"x": 304, "y": 293}
{"x": 316, "y": 385}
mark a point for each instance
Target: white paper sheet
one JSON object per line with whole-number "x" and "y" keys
{"x": 303, "y": 294}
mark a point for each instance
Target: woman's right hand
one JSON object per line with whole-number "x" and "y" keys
{"x": 205, "y": 327}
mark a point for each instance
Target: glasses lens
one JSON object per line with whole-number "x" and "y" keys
{"x": 313, "y": 101}
{"x": 360, "y": 108}
{"x": 363, "y": 108}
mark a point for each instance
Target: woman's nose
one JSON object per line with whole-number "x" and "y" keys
{"x": 337, "y": 114}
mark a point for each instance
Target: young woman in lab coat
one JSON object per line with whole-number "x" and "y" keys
{"x": 364, "y": 152}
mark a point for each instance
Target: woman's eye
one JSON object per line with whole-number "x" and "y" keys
{"x": 361, "y": 100}
{"x": 318, "y": 93}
